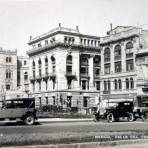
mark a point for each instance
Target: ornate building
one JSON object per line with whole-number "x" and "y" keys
{"x": 65, "y": 68}
{"x": 118, "y": 66}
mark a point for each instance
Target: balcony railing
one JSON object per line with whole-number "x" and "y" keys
{"x": 70, "y": 75}
{"x": 106, "y": 92}
{"x": 117, "y": 57}
{"x": 129, "y": 55}
{"x": 106, "y": 59}
{"x": 86, "y": 75}
{"x": 32, "y": 78}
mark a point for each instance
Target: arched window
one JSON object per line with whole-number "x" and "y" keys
{"x": 107, "y": 54}
{"x": 131, "y": 83}
{"x": 69, "y": 64}
{"x": 69, "y": 59}
{"x": 26, "y": 76}
{"x": 40, "y": 67}
{"x": 117, "y": 52}
{"x": 129, "y": 45}
{"x": 127, "y": 83}
{"x": 46, "y": 66}
{"x": 115, "y": 82}
{"x": 53, "y": 61}
{"x": 120, "y": 84}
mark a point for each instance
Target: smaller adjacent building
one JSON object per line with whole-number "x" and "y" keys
{"x": 142, "y": 77}
{"x": 22, "y": 75}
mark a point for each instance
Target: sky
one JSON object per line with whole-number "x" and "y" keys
{"x": 23, "y": 18}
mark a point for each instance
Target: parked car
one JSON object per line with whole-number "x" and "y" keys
{"x": 22, "y": 109}
{"x": 124, "y": 109}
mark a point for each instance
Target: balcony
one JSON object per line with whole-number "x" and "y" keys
{"x": 129, "y": 55}
{"x": 106, "y": 60}
{"x": 106, "y": 92}
{"x": 118, "y": 58}
{"x": 97, "y": 76}
{"x": 70, "y": 75}
{"x": 84, "y": 75}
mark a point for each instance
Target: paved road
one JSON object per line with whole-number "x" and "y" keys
{"x": 75, "y": 127}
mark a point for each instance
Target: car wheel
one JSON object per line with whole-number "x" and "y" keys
{"x": 130, "y": 117}
{"x": 110, "y": 117}
{"x": 144, "y": 117}
{"x": 29, "y": 120}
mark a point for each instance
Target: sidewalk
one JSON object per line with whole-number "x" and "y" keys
{"x": 46, "y": 120}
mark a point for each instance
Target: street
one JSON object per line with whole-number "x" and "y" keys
{"x": 75, "y": 127}
{"x": 71, "y": 132}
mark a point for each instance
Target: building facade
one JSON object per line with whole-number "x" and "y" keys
{"x": 65, "y": 69}
{"x": 142, "y": 77}
{"x": 8, "y": 75}
{"x": 23, "y": 75}
{"x": 118, "y": 65}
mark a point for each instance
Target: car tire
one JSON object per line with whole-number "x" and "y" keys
{"x": 130, "y": 117}
{"x": 29, "y": 120}
{"x": 110, "y": 118}
{"x": 144, "y": 117}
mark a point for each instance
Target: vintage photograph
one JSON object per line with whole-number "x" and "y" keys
{"x": 74, "y": 73}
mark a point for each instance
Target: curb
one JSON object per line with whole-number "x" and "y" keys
{"x": 60, "y": 120}
{"x": 85, "y": 144}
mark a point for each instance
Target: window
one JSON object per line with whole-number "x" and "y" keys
{"x": 8, "y": 75}
{"x": 97, "y": 72}
{"x": 46, "y": 66}
{"x": 7, "y": 87}
{"x": 53, "y": 82}
{"x": 54, "y": 101}
{"x": 106, "y": 55}
{"x": 39, "y": 85}
{"x": 33, "y": 69}
{"x": 129, "y": 65}
{"x": 40, "y": 67}
{"x": 105, "y": 85}
{"x": 8, "y": 59}
{"x": 107, "y": 69}
{"x": 84, "y": 84}
{"x": 46, "y": 100}
{"x": 97, "y": 85}
{"x": 108, "y": 84}
{"x": 53, "y": 61}
{"x": 115, "y": 82}
{"x": 26, "y": 76}
{"x": 85, "y": 102}
{"x": 117, "y": 52}
{"x": 127, "y": 83}
{"x": 69, "y": 64}
{"x": 120, "y": 84}
{"x": 69, "y": 83}
{"x": 69, "y": 101}
{"x": 39, "y": 45}
{"x": 129, "y": 45}
{"x": 40, "y": 101}
{"x": 97, "y": 61}
{"x": 117, "y": 66}
{"x": 25, "y": 62}
{"x": 131, "y": 83}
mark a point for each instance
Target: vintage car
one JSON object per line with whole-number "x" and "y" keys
{"x": 22, "y": 109}
{"x": 124, "y": 109}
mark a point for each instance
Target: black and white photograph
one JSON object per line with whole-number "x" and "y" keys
{"x": 74, "y": 73}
